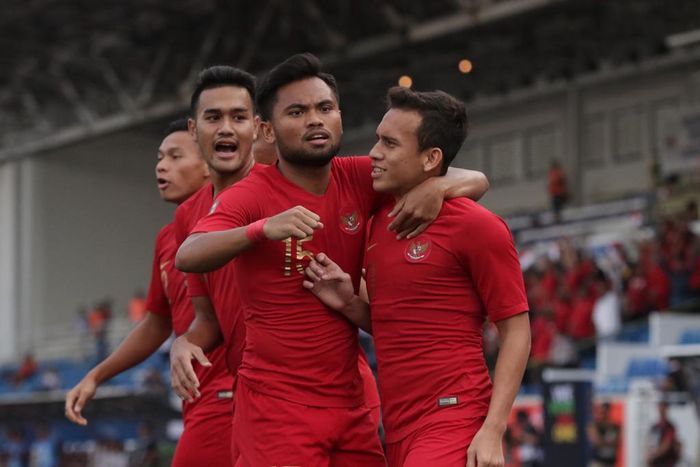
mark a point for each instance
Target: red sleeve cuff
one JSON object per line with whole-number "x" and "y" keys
{"x": 508, "y": 312}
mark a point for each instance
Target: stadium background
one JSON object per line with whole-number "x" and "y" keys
{"x": 611, "y": 89}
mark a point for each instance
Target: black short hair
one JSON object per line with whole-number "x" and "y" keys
{"x": 296, "y": 68}
{"x": 444, "y": 120}
{"x": 219, "y": 76}
{"x": 176, "y": 125}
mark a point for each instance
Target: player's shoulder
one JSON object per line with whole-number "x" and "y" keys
{"x": 255, "y": 184}
{"x": 165, "y": 234}
{"x": 470, "y": 215}
{"x": 202, "y": 196}
{"x": 354, "y": 162}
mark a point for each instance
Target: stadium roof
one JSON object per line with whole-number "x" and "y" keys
{"x": 75, "y": 68}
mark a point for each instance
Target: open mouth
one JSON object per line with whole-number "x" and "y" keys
{"x": 225, "y": 148}
{"x": 162, "y": 183}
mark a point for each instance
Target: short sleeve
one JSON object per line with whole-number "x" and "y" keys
{"x": 196, "y": 285}
{"x": 236, "y": 207}
{"x": 156, "y": 300}
{"x": 486, "y": 248}
{"x": 180, "y": 225}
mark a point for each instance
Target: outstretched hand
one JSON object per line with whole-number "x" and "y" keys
{"x": 76, "y": 399}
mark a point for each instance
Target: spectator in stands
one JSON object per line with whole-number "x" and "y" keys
{"x": 147, "y": 454}
{"x": 26, "y": 370}
{"x": 664, "y": 449}
{"x": 543, "y": 333}
{"x": 557, "y": 188}
{"x": 694, "y": 280}
{"x": 580, "y": 324}
{"x": 606, "y": 310}
{"x": 50, "y": 379}
{"x": 637, "y": 303}
{"x": 562, "y": 308}
{"x": 82, "y": 329}
{"x": 98, "y": 321}
{"x": 679, "y": 252}
{"x": 137, "y": 307}
{"x": 43, "y": 451}
{"x": 604, "y": 435}
{"x": 675, "y": 380}
{"x": 527, "y": 440}
{"x": 15, "y": 448}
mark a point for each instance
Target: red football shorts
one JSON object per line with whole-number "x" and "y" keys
{"x": 206, "y": 439}
{"x": 442, "y": 443}
{"x": 274, "y": 432}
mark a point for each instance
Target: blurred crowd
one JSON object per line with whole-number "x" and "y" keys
{"x": 581, "y": 294}
{"x": 40, "y": 446}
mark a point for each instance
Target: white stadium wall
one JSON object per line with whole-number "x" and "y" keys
{"x": 8, "y": 260}
{"x": 606, "y": 129}
{"x": 89, "y": 215}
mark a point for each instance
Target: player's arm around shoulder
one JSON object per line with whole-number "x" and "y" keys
{"x": 418, "y": 208}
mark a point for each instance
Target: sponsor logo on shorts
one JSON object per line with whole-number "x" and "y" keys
{"x": 350, "y": 221}
{"x": 448, "y": 401}
{"x": 418, "y": 249}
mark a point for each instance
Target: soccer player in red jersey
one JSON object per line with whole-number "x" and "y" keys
{"x": 429, "y": 298}
{"x": 299, "y": 397}
{"x": 222, "y": 116}
{"x": 224, "y": 125}
{"x": 180, "y": 172}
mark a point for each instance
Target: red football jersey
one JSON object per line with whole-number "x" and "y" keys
{"x": 429, "y": 298}
{"x": 296, "y": 348}
{"x": 218, "y": 286}
{"x": 167, "y": 296}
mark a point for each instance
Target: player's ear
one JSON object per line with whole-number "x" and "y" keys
{"x": 432, "y": 160}
{"x": 256, "y": 132}
{"x": 192, "y": 128}
{"x": 267, "y": 132}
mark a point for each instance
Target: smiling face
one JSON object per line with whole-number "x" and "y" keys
{"x": 180, "y": 170}
{"x": 306, "y": 123}
{"x": 398, "y": 164}
{"x": 225, "y": 128}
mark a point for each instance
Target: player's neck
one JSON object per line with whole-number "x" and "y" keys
{"x": 180, "y": 201}
{"x": 312, "y": 179}
{"x": 403, "y": 190}
{"x": 223, "y": 180}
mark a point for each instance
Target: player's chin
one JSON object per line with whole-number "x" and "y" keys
{"x": 380, "y": 186}
{"x": 228, "y": 166}
{"x": 169, "y": 195}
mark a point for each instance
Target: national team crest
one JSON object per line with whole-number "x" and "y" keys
{"x": 350, "y": 221}
{"x": 418, "y": 249}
